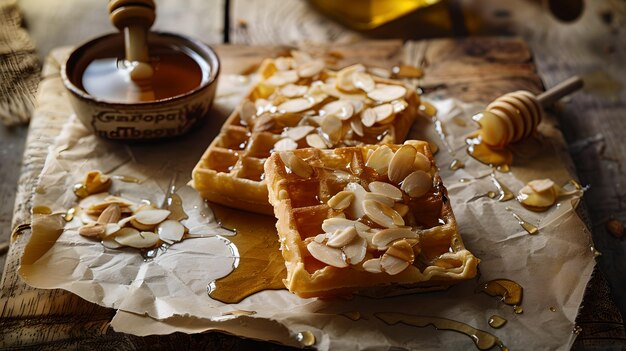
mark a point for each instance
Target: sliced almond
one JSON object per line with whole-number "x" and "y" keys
{"x": 96, "y": 182}
{"x": 380, "y": 159}
{"x": 401, "y": 208}
{"x": 387, "y": 93}
{"x": 293, "y": 90}
{"x": 111, "y": 214}
{"x": 122, "y": 222}
{"x": 401, "y": 249}
{"x": 399, "y": 105}
{"x": 92, "y": 230}
{"x": 283, "y": 63}
{"x": 393, "y": 265}
{"x": 535, "y": 200}
{"x": 368, "y": 117}
{"x": 386, "y": 189}
{"x": 110, "y": 243}
{"x": 355, "y": 251}
{"x": 295, "y": 105}
{"x": 384, "y": 237}
{"x": 331, "y": 126}
{"x": 382, "y": 215}
{"x": 297, "y": 165}
{"x": 340, "y": 108}
{"x": 247, "y": 112}
{"x": 140, "y": 226}
{"x": 417, "y": 184}
{"x": 264, "y": 122}
{"x": 299, "y": 132}
{"x": 383, "y": 112}
{"x": 285, "y": 144}
{"x": 422, "y": 163}
{"x": 383, "y": 199}
{"x": 345, "y": 78}
{"x": 151, "y": 217}
{"x": 541, "y": 185}
{"x": 357, "y": 105}
{"x": 316, "y": 141}
{"x": 341, "y": 200}
{"x": 281, "y": 78}
{"x": 110, "y": 229}
{"x": 363, "y": 81}
{"x": 402, "y": 163}
{"x": 330, "y": 256}
{"x": 134, "y": 238}
{"x": 170, "y": 230}
{"x": 357, "y": 126}
{"x": 356, "y": 207}
{"x": 310, "y": 69}
{"x": 373, "y": 265}
{"x": 320, "y": 238}
{"x": 342, "y": 237}
{"x": 331, "y": 225}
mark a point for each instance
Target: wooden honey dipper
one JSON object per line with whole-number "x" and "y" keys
{"x": 515, "y": 116}
{"x": 134, "y": 18}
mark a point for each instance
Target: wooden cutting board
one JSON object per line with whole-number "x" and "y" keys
{"x": 477, "y": 69}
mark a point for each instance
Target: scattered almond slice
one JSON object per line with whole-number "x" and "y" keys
{"x": 295, "y": 105}
{"x": 393, "y": 265}
{"x": 310, "y": 69}
{"x": 382, "y": 215}
{"x": 357, "y": 126}
{"x": 373, "y": 265}
{"x": 536, "y": 201}
{"x": 380, "y": 159}
{"x": 345, "y": 78}
{"x": 316, "y": 141}
{"x": 387, "y": 93}
{"x": 134, "y": 238}
{"x": 384, "y": 237}
{"x": 403, "y": 250}
{"x": 285, "y": 144}
{"x": 401, "y": 165}
{"x": 283, "y": 63}
{"x": 110, "y": 243}
{"x": 293, "y": 90}
{"x": 320, "y": 238}
{"x": 299, "y": 132}
{"x": 151, "y": 217}
{"x": 399, "y": 105}
{"x": 96, "y": 182}
{"x": 383, "y": 199}
{"x": 363, "y": 81}
{"x": 331, "y": 225}
{"x": 110, "y": 229}
{"x": 368, "y": 117}
{"x": 297, "y": 165}
{"x": 356, "y": 207}
{"x": 248, "y": 112}
{"x": 332, "y": 126}
{"x": 417, "y": 184}
{"x": 111, "y": 214}
{"x": 340, "y": 108}
{"x": 328, "y": 255}
{"x": 140, "y": 226}
{"x": 401, "y": 208}
{"x": 355, "y": 251}
{"x": 281, "y": 78}
{"x": 342, "y": 237}
{"x": 341, "y": 200}
{"x": 92, "y": 230}
{"x": 170, "y": 230}
{"x": 541, "y": 185}
{"x": 383, "y": 112}
{"x": 386, "y": 189}
{"x": 422, "y": 163}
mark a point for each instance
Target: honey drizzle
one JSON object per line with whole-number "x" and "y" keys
{"x": 528, "y": 227}
{"x": 510, "y": 292}
{"x": 455, "y": 164}
{"x": 497, "y": 322}
{"x": 505, "y": 193}
{"x": 499, "y": 158}
{"x": 482, "y": 339}
{"x": 127, "y": 179}
{"x": 260, "y": 265}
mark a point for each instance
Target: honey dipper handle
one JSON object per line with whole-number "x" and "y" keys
{"x": 560, "y": 90}
{"x": 134, "y": 18}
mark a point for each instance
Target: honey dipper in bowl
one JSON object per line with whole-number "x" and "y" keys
{"x": 511, "y": 118}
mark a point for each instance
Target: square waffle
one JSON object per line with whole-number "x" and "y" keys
{"x": 299, "y": 103}
{"x": 374, "y": 219}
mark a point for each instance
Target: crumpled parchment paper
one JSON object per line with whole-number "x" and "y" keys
{"x": 168, "y": 294}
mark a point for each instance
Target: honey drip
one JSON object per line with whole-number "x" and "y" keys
{"x": 306, "y": 338}
{"x": 45, "y": 210}
{"x": 482, "y": 339}
{"x": 505, "y": 194}
{"x": 261, "y": 265}
{"x": 456, "y": 164}
{"x": 528, "y": 227}
{"x": 510, "y": 291}
{"x": 499, "y": 158}
{"x": 69, "y": 215}
{"x": 127, "y": 179}
{"x": 497, "y": 322}
{"x": 552, "y": 309}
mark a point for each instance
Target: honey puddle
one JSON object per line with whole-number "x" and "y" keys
{"x": 261, "y": 265}
{"x": 497, "y": 322}
{"x": 499, "y": 158}
{"x": 510, "y": 292}
{"x": 306, "y": 338}
{"x": 528, "y": 227}
{"x": 482, "y": 339}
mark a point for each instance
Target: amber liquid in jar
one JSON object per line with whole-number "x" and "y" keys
{"x": 176, "y": 72}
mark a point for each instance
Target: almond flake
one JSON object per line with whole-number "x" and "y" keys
{"x": 421, "y": 163}
{"x": 320, "y": 238}
{"x": 541, "y": 185}
{"x": 331, "y": 225}
{"x": 283, "y": 63}
{"x": 110, "y": 229}
{"x": 111, "y": 214}
{"x": 297, "y": 165}
{"x": 316, "y": 141}
{"x": 110, "y": 243}
{"x": 340, "y": 108}
{"x": 368, "y": 117}
{"x": 299, "y": 132}
{"x": 384, "y": 237}
{"x": 399, "y": 106}
{"x": 393, "y": 265}
{"x": 96, "y": 182}
{"x": 417, "y": 184}
{"x": 386, "y": 189}
{"x": 247, "y": 113}
{"x": 310, "y": 69}
{"x": 295, "y": 105}
{"x": 341, "y": 200}
{"x": 382, "y": 215}
{"x": 383, "y": 112}
{"x": 357, "y": 126}
{"x": 403, "y": 250}
{"x": 387, "y": 201}
{"x": 134, "y": 238}
{"x": 292, "y": 90}
{"x": 380, "y": 159}
{"x": 281, "y": 78}
{"x": 92, "y": 230}
{"x": 402, "y": 163}
{"x": 151, "y": 217}
{"x": 355, "y": 251}
{"x": 538, "y": 201}
{"x": 363, "y": 81}
{"x": 285, "y": 144}
{"x": 170, "y": 230}
{"x": 328, "y": 255}
{"x": 342, "y": 237}
{"x": 356, "y": 207}
{"x": 373, "y": 265}
{"x": 345, "y": 78}
{"x": 401, "y": 208}
{"x": 332, "y": 127}
{"x": 357, "y": 105}
{"x": 387, "y": 93}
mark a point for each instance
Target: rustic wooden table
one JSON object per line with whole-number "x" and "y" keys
{"x": 592, "y": 123}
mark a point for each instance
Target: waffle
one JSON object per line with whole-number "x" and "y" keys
{"x": 299, "y": 103}
{"x": 370, "y": 219}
